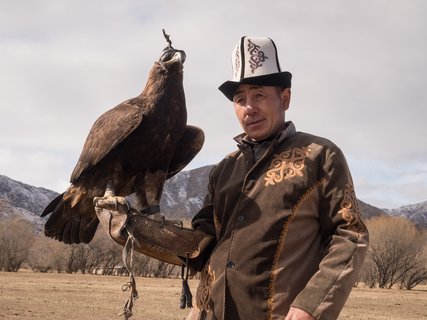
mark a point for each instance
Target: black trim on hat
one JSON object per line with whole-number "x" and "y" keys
{"x": 279, "y": 79}
{"x": 277, "y": 55}
{"x": 242, "y": 57}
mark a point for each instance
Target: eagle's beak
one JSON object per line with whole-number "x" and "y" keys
{"x": 179, "y": 55}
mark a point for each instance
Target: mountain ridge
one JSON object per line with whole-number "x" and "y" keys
{"x": 182, "y": 197}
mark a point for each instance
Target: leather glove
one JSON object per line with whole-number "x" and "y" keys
{"x": 158, "y": 239}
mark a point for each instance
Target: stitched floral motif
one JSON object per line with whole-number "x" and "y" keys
{"x": 286, "y": 165}
{"x": 236, "y": 64}
{"x": 256, "y": 56}
{"x": 350, "y": 211}
{"x": 207, "y": 277}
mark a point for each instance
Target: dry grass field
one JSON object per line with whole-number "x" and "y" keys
{"x": 27, "y": 295}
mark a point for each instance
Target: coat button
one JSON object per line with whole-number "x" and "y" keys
{"x": 230, "y": 264}
{"x": 240, "y": 218}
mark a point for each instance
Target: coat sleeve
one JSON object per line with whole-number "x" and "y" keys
{"x": 204, "y": 221}
{"x": 345, "y": 238}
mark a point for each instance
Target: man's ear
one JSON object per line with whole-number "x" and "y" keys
{"x": 285, "y": 97}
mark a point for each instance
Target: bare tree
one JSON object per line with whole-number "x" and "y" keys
{"x": 75, "y": 258}
{"x": 15, "y": 241}
{"x": 141, "y": 265}
{"x": 105, "y": 255}
{"x": 396, "y": 247}
{"x": 369, "y": 273}
{"x": 162, "y": 269}
{"x": 414, "y": 277}
{"x": 46, "y": 254}
{"x": 415, "y": 270}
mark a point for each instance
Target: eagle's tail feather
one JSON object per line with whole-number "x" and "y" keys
{"x": 52, "y": 205}
{"x": 68, "y": 224}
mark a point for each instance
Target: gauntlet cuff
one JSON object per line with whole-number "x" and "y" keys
{"x": 157, "y": 239}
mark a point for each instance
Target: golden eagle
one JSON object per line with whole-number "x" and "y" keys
{"x": 132, "y": 148}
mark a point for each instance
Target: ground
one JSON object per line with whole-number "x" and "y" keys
{"x": 28, "y": 295}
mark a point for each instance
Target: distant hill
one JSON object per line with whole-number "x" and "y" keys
{"x": 183, "y": 194}
{"x": 417, "y": 213}
{"x": 182, "y": 197}
{"x": 369, "y": 211}
{"x": 18, "y": 199}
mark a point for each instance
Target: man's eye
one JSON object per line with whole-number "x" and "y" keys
{"x": 238, "y": 101}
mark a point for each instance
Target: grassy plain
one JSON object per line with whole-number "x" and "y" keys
{"x": 28, "y": 295}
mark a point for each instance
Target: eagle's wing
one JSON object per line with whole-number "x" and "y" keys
{"x": 187, "y": 148}
{"x": 107, "y": 132}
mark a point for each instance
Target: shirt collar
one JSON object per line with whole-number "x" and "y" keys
{"x": 289, "y": 130}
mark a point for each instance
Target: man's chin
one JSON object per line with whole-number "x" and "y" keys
{"x": 255, "y": 132}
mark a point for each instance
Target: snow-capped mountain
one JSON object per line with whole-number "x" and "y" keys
{"x": 182, "y": 197}
{"x": 183, "y": 194}
{"x": 18, "y": 199}
{"x": 417, "y": 213}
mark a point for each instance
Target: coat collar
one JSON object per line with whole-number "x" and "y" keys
{"x": 256, "y": 149}
{"x": 289, "y": 130}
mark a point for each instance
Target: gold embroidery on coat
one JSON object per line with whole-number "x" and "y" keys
{"x": 281, "y": 245}
{"x": 350, "y": 211}
{"x": 217, "y": 224}
{"x": 204, "y": 290}
{"x": 288, "y": 164}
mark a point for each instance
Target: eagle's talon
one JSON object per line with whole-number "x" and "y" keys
{"x": 95, "y": 201}
{"x": 111, "y": 203}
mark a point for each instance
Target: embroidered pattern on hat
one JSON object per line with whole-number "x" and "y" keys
{"x": 256, "y": 56}
{"x": 236, "y": 64}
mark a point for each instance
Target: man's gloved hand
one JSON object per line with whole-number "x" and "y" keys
{"x": 162, "y": 241}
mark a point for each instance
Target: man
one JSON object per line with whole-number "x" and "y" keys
{"x": 288, "y": 238}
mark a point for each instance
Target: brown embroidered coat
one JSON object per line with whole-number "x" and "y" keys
{"x": 288, "y": 231}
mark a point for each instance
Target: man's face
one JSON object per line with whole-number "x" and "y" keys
{"x": 261, "y": 109}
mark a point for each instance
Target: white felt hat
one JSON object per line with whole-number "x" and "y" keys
{"x": 255, "y": 61}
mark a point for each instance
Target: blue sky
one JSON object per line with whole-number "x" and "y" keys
{"x": 358, "y": 79}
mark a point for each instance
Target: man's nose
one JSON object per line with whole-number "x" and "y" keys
{"x": 250, "y": 107}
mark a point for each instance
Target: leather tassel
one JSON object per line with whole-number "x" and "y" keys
{"x": 186, "y": 300}
{"x": 186, "y": 296}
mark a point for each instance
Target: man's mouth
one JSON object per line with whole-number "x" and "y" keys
{"x": 253, "y": 123}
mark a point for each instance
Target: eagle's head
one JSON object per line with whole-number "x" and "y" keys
{"x": 166, "y": 72}
{"x": 172, "y": 58}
